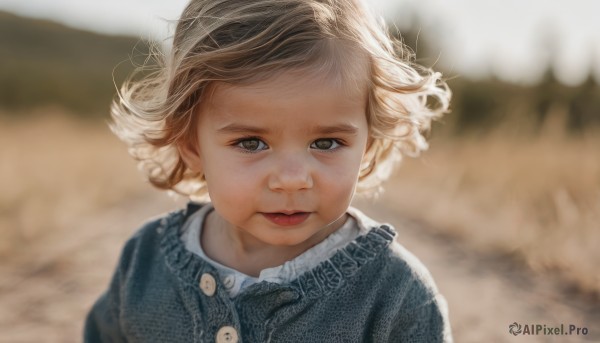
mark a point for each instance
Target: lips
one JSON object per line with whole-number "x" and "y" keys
{"x": 288, "y": 218}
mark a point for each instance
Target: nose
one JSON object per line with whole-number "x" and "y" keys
{"x": 292, "y": 172}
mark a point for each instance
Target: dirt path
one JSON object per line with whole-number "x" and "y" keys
{"x": 46, "y": 290}
{"x": 486, "y": 294}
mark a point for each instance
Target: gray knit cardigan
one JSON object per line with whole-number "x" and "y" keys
{"x": 372, "y": 290}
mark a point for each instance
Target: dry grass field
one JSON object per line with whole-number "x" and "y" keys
{"x": 64, "y": 206}
{"x": 55, "y": 170}
{"x": 535, "y": 199}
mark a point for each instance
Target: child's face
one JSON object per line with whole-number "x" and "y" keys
{"x": 281, "y": 157}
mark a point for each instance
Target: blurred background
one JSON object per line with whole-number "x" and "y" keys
{"x": 511, "y": 181}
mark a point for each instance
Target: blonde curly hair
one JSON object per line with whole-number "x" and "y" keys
{"x": 241, "y": 42}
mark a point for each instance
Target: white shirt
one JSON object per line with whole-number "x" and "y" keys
{"x": 236, "y": 281}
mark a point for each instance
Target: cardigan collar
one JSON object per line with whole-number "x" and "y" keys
{"x": 326, "y": 277}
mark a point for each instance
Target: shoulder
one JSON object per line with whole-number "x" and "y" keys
{"x": 149, "y": 239}
{"x": 392, "y": 272}
{"x": 412, "y": 285}
{"x": 405, "y": 267}
{"x": 395, "y": 263}
{"x": 399, "y": 291}
{"x": 423, "y": 314}
{"x": 402, "y": 277}
{"x": 421, "y": 310}
{"x": 406, "y": 293}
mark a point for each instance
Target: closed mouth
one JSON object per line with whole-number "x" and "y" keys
{"x": 288, "y": 213}
{"x": 287, "y": 218}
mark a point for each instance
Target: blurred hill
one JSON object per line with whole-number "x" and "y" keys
{"x": 47, "y": 64}
{"x": 43, "y": 63}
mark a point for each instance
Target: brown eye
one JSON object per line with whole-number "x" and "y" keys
{"x": 252, "y": 144}
{"x": 325, "y": 144}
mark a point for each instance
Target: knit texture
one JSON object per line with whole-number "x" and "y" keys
{"x": 372, "y": 290}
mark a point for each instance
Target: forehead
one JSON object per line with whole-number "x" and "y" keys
{"x": 337, "y": 63}
{"x": 293, "y": 84}
{"x": 345, "y": 74}
{"x": 293, "y": 96}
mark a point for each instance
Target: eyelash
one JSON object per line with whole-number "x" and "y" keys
{"x": 237, "y": 144}
{"x": 335, "y": 141}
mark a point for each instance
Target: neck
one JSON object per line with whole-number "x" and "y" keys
{"x": 247, "y": 254}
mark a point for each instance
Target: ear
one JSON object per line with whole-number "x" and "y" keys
{"x": 190, "y": 155}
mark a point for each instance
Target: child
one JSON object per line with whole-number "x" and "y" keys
{"x": 277, "y": 111}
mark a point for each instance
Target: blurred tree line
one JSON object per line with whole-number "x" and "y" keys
{"x": 482, "y": 105}
{"x": 47, "y": 64}
{"x": 479, "y": 106}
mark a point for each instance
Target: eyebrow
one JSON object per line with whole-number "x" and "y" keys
{"x": 341, "y": 128}
{"x": 238, "y": 128}
{"x": 324, "y": 130}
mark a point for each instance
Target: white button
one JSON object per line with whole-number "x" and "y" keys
{"x": 208, "y": 284}
{"x": 229, "y": 281}
{"x": 227, "y": 334}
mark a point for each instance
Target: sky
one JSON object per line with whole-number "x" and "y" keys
{"x": 512, "y": 39}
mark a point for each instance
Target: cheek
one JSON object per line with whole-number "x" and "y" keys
{"x": 230, "y": 181}
{"x": 341, "y": 178}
